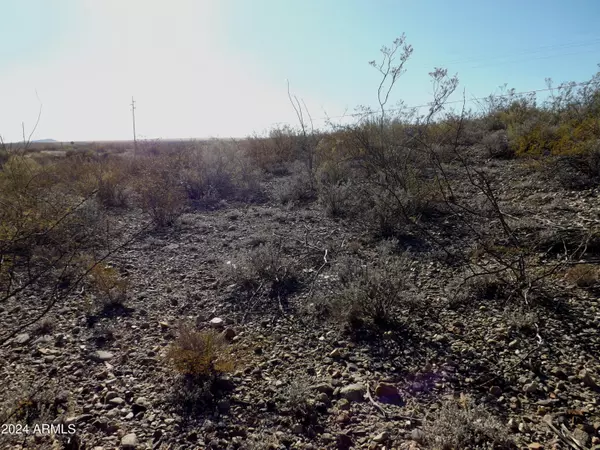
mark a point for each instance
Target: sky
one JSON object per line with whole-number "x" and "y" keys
{"x": 219, "y": 68}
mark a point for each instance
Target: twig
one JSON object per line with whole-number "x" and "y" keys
{"x": 252, "y": 305}
{"x": 379, "y": 407}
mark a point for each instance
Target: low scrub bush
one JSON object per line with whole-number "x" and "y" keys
{"x": 295, "y": 189}
{"x": 274, "y": 152}
{"x": 459, "y": 424}
{"x": 267, "y": 266}
{"x": 371, "y": 294}
{"x": 112, "y": 186}
{"x": 109, "y": 284}
{"x": 497, "y": 145}
{"x": 583, "y": 275}
{"x": 200, "y": 354}
{"x": 160, "y": 194}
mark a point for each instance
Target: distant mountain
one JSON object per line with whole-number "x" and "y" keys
{"x": 41, "y": 141}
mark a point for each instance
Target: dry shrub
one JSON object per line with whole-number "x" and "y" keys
{"x": 160, "y": 194}
{"x": 296, "y": 188}
{"x": 371, "y": 294}
{"x": 42, "y": 221}
{"x": 337, "y": 199}
{"x": 267, "y": 266}
{"x": 459, "y": 424}
{"x": 200, "y": 354}
{"x": 272, "y": 153}
{"x": 583, "y": 275}
{"x": 520, "y": 318}
{"x": 28, "y": 404}
{"x": 335, "y": 190}
{"x": 218, "y": 171}
{"x": 577, "y": 171}
{"x": 111, "y": 286}
{"x": 112, "y": 186}
{"x": 497, "y": 145}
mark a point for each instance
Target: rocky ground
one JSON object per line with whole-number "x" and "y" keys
{"x": 300, "y": 381}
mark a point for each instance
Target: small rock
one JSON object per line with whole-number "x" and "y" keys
{"x": 417, "y": 435}
{"x": 496, "y": 391}
{"x": 336, "y": 353}
{"x": 117, "y": 401}
{"x": 381, "y": 437}
{"x": 344, "y": 442}
{"x": 22, "y": 339}
{"x": 343, "y": 418}
{"x": 531, "y": 387}
{"x": 110, "y": 395}
{"x": 343, "y": 404}
{"x": 297, "y": 429}
{"x": 582, "y": 437}
{"x": 323, "y": 398}
{"x": 354, "y": 392}
{"x": 229, "y": 334}
{"x": 388, "y": 393}
{"x": 535, "y": 446}
{"x": 217, "y": 322}
{"x": 587, "y": 379}
{"x": 323, "y": 387}
{"x": 129, "y": 441}
{"x": 102, "y": 355}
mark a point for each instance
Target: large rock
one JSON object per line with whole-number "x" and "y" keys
{"x": 354, "y": 392}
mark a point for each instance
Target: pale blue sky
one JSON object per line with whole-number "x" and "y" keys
{"x": 202, "y": 68}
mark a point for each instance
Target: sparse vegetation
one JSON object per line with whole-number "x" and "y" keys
{"x": 457, "y": 249}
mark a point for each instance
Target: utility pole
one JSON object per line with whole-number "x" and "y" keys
{"x": 134, "y": 136}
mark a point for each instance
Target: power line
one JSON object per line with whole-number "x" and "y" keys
{"x": 370, "y": 113}
{"x": 491, "y": 59}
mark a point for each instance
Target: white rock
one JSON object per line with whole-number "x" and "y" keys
{"x": 217, "y": 322}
